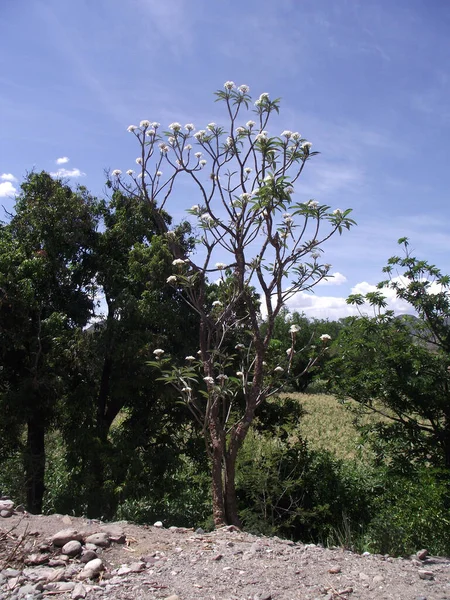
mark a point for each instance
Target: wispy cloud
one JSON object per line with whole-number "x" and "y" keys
{"x": 173, "y": 21}
{"x": 62, "y": 161}
{"x": 60, "y": 173}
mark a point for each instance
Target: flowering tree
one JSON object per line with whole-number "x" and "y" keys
{"x": 254, "y": 238}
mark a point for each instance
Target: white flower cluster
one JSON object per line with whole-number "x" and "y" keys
{"x": 175, "y": 127}
{"x": 229, "y": 85}
{"x": 200, "y": 135}
{"x": 116, "y": 173}
{"x": 262, "y": 99}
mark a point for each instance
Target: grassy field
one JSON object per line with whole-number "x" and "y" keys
{"x": 329, "y": 425}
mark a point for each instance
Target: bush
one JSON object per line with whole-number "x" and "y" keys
{"x": 318, "y": 386}
{"x": 285, "y": 488}
{"x": 412, "y": 513}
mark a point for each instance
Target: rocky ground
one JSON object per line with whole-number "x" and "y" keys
{"x": 75, "y": 558}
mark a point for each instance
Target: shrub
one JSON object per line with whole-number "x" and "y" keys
{"x": 411, "y": 514}
{"x": 285, "y": 488}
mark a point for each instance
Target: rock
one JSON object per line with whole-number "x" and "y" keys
{"x": 334, "y": 570}
{"x": 66, "y": 520}
{"x": 92, "y": 569}
{"x": 172, "y": 597}
{"x": 56, "y": 574}
{"x": 378, "y": 579}
{"x": 59, "y": 587}
{"x": 124, "y": 570}
{"x": 57, "y": 562}
{"x": 422, "y": 554}
{"x": 262, "y": 596}
{"x": 36, "y": 559}
{"x": 26, "y": 591}
{"x": 10, "y": 573}
{"x": 200, "y": 531}
{"x": 116, "y": 534}
{"x": 38, "y": 574}
{"x": 79, "y": 592}
{"x": 101, "y": 539}
{"x": 72, "y": 548}
{"x": 66, "y": 535}
{"x": 158, "y": 524}
{"x": 423, "y": 574}
{"x": 137, "y": 567}
{"x": 7, "y": 505}
{"x": 6, "y": 513}
{"x": 89, "y": 546}
{"x": 13, "y": 582}
{"x": 87, "y": 556}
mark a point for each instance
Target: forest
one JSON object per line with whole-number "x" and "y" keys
{"x": 142, "y": 379}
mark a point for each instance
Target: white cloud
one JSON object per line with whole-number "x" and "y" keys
{"x": 333, "y": 279}
{"x": 68, "y": 173}
{"x": 62, "y": 161}
{"x": 7, "y": 189}
{"x": 8, "y": 177}
{"x": 336, "y": 307}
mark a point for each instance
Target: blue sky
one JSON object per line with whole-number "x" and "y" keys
{"x": 367, "y": 82}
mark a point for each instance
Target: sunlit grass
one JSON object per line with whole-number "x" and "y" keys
{"x": 329, "y": 425}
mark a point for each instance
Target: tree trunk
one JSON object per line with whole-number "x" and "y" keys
{"x": 231, "y": 507}
{"x": 35, "y": 464}
{"x": 219, "y": 515}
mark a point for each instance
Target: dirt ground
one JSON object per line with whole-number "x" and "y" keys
{"x": 227, "y": 564}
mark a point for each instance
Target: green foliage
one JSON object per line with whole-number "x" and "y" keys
{"x": 410, "y": 513}
{"x": 398, "y": 366}
{"x": 285, "y": 488}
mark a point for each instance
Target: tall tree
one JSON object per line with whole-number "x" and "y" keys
{"x": 111, "y": 373}
{"x": 251, "y": 233}
{"x": 45, "y": 279}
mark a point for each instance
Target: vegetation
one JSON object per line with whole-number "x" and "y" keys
{"x": 103, "y": 302}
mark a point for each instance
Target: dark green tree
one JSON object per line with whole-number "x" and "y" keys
{"x": 45, "y": 295}
{"x": 398, "y": 367}
{"x": 139, "y": 312}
